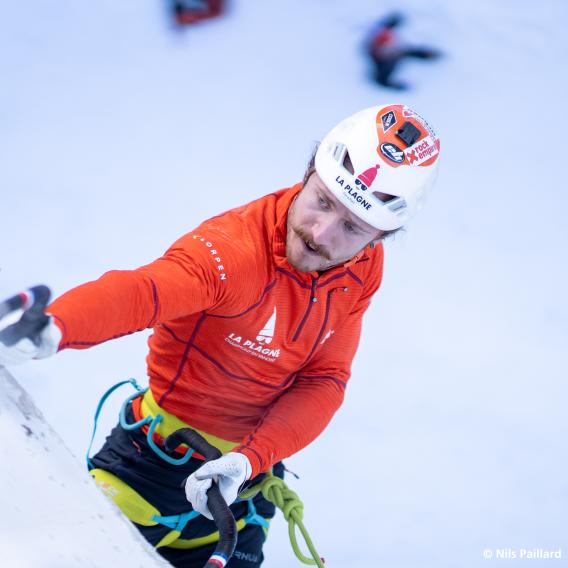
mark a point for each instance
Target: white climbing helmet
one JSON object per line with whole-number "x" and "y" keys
{"x": 380, "y": 163}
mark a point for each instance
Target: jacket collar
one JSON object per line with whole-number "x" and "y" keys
{"x": 283, "y": 205}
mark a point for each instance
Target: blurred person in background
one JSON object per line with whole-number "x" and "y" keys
{"x": 193, "y": 11}
{"x": 387, "y": 50}
{"x": 256, "y": 317}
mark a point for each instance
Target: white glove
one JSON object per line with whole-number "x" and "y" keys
{"x": 44, "y": 345}
{"x": 229, "y": 471}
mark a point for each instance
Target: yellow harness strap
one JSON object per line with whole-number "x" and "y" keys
{"x": 139, "y": 511}
{"x": 130, "y": 502}
{"x": 171, "y": 423}
{"x": 203, "y": 540}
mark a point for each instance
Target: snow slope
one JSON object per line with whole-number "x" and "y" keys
{"x": 119, "y": 134}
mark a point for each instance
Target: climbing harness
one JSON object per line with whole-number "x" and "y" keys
{"x": 131, "y": 503}
{"x": 141, "y": 512}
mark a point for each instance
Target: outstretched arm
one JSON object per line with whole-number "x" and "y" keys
{"x": 181, "y": 282}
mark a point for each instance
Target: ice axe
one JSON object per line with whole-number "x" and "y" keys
{"x": 220, "y": 511}
{"x": 33, "y": 301}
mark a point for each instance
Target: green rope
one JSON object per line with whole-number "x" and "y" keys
{"x": 276, "y": 491}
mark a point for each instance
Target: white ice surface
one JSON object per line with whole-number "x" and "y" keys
{"x": 53, "y": 515}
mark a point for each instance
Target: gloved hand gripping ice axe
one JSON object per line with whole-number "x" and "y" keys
{"x": 29, "y": 327}
{"x": 220, "y": 511}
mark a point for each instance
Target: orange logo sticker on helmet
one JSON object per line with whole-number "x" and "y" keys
{"x": 423, "y": 152}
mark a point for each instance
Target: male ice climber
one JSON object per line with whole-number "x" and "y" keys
{"x": 256, "y": 316}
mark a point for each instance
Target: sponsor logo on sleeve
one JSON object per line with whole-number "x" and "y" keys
{"x": 214, "y": 256}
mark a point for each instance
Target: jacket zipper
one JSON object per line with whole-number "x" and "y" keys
{"x": 311, "y": 302}
{"x": 325, "y": 318}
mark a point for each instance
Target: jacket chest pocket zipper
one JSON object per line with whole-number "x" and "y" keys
{"x": 312, "y": 301}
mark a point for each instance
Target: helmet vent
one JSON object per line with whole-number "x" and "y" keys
{"x": 348, "y": 164}
{"x": 339, "y": 152}
{"x": 384, "y": 197}
{"x": 397, "y": 205}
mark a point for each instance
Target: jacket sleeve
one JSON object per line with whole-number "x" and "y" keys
{"x": 303, "y": 411}
{"x": 185, "y": 280}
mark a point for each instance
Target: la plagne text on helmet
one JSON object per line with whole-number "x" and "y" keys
{"x": 353, "y": 193}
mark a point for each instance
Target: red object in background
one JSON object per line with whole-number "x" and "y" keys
{"x": 192, "y": 11}
{"x": 385, "y": 37}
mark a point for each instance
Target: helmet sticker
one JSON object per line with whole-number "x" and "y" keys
{"x": 422, "y": 151}
{"x": 392, "y": 152}
{"x": 409, "y": 113}
{"x": 366, "y": 179}
{"x": 421, "y": 144}
{"x": 388, "y": 120}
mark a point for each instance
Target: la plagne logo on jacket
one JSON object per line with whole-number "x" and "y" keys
{"x": 258, "y": 347}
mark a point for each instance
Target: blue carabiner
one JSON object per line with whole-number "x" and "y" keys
{"x": 122, "y": 415}
{"x": 150, "y": 438}
{"x": 153, "y": 422}
{"x": 139, "y": 391}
